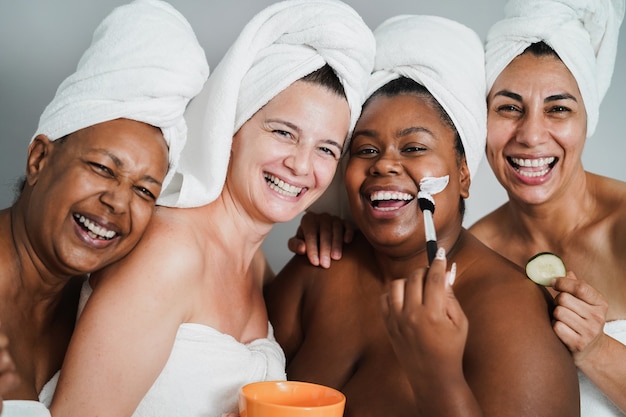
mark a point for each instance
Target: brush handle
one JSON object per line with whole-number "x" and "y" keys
{"x": 431, "y": 236}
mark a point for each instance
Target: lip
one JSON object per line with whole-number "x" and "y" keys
{"x": 88, "y": 237}
{"x": 532, "y": 170}
{"x": 283, "y": 187}
{"x": 387, "y": 211}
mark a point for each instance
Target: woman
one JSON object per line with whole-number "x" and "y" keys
{"x": 434, "y": 351}
{"x": 178, "y": 326}
{"x": 94, "y": 171}
{"x": 549, "y": 64}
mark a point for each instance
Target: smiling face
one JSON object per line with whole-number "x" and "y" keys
{"x": 91, "y": 195}
{"x": 286, "y": 155}
{"x": 398, "y": 141}
{"x": 537, "y": 127}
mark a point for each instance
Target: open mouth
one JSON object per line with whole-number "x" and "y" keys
{"x": 533, "y": 168}
{"x": 93, "y": 229}
{"x": 282, "y": 187}
{"x": 390, "y": 200}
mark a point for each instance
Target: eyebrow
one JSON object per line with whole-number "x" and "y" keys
{"x": 297, "y": 129}
{"x": 517, "y": 97}
{"x": 120, "y": 165}
{"x": 403, "y": 132}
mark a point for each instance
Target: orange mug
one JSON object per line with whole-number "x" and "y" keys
{"x": 290, "y": 399}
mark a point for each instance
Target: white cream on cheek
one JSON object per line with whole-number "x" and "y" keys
{"x": 432, "y": 185}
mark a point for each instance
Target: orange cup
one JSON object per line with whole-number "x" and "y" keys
{"x": 290, "y": 399}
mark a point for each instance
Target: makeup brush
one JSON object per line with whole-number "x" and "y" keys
{"x": 427, "y": 205}
{"x": 428, "y": 187}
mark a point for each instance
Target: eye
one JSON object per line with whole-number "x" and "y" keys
{"x": 145, "y": 193}
{"x": 559, "y": 109}
{"x": 328, "y": 151}
{"x": 283, "y": 134}
{"x": 364, "y": 152}
{"x": 508, "y": 108}
{"x": 101, "y": 169}
{"x": 414, "y": 148}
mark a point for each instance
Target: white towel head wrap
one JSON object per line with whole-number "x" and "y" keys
{"x": 144, "y": 64}
{"x": 280, "y": 45}
{"x": 583, "y": 33}
{"x": 447, "y": 58}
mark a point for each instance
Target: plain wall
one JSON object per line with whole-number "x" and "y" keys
{"x": 41, "y": 42}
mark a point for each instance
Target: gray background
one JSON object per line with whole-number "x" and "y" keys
{"x": 42, "y": 40}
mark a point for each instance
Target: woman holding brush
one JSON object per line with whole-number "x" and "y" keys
{"x": 433, "y": 351}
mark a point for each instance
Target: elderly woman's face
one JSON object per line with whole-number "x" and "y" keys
{"x": 398, "y": 141}
{"x": 91, "y": 197}
{"x": 536, "y": 128}
{"x": 286, "y": 155}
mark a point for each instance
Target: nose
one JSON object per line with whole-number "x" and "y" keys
{"x": 532, "y": 130}
{"x": 117, "y": 197}
{"x": 385, "y": 164}
{"x": 300, "y": 160}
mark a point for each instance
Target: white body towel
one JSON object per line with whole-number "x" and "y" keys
{"x": 204, "y": 372}
{"x": 583, "y": 33}
{"x": 144, "y": 64}
{"x": 280, "y": 45}
{"x": 593, "y": 403}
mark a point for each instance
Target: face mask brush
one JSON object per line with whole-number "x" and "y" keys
{"x": 428, "y": 187}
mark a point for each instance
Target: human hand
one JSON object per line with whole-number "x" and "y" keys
{"x": 321, "y": 238}
{"x": 580, "y": 314}
{"x": 427, "y": 326}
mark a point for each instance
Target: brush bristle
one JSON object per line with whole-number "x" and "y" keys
{"x": 426, "y": 203}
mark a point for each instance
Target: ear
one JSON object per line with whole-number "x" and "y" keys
{"x": 464, "y": 179}
{"x": 39, "y": 153}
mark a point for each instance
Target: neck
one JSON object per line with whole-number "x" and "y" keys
{"x": 555, "y": 220}
{"x": 26, "y": 281}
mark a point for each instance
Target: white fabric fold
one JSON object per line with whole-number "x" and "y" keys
{"x": 144, "y": 64}
{"x": 447, "y": 58}
{"x": 584, "y": 33}
{"x": 280, "y": 45}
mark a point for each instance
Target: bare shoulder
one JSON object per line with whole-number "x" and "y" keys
{"x": 165, "y": 259}
{"x": 491, "y": 229}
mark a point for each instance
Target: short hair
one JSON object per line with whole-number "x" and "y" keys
{"x": 326, "y": 77}
{"x": 540, "y": 49}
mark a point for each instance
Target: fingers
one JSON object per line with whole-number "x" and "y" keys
{"x": 296, "y": 243}
{"x": 579, "y": 289}
{"x": 435, "y": 286}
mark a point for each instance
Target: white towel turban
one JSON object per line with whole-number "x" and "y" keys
{"x": 280, "y": 45}
{"x": 444, "y": 56}
{"x": 583, "y": 33}
{"x": 144, "y": 64}
{"x": 447, "y": 58}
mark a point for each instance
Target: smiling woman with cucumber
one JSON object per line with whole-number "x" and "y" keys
{"x": 549, "y": 63}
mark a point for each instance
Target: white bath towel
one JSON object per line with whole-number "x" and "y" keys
{"x": 280, "y": 45}
{"x": 447, "y": 58}
{"x": 144, "y": 64}
{"x": 583, "y": 33}
{"x": 593, "y": 403}
{"x": 444, "y": 56}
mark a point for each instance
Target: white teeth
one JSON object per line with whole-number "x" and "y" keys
{"x": 95, "y": 231}
{"x": 390, "y": 195}
{"x": 282, "y": 187}
{"x": 533, "y": 174}
{"x": 533, "y": 163}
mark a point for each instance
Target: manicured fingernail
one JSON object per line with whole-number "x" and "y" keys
{"x": 441, "y": 253}
{"x": 452, "y": 274}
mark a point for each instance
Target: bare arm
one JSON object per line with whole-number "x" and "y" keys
{"x": 283, "y": 297}
{"x": 580, "y": 316}
{"x": 8, "y": 375}
{"x": 512, "y": 363}
{"x": 124, "y": 336}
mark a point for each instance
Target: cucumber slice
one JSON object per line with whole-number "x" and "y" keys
{"x": 543, "y": 267}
